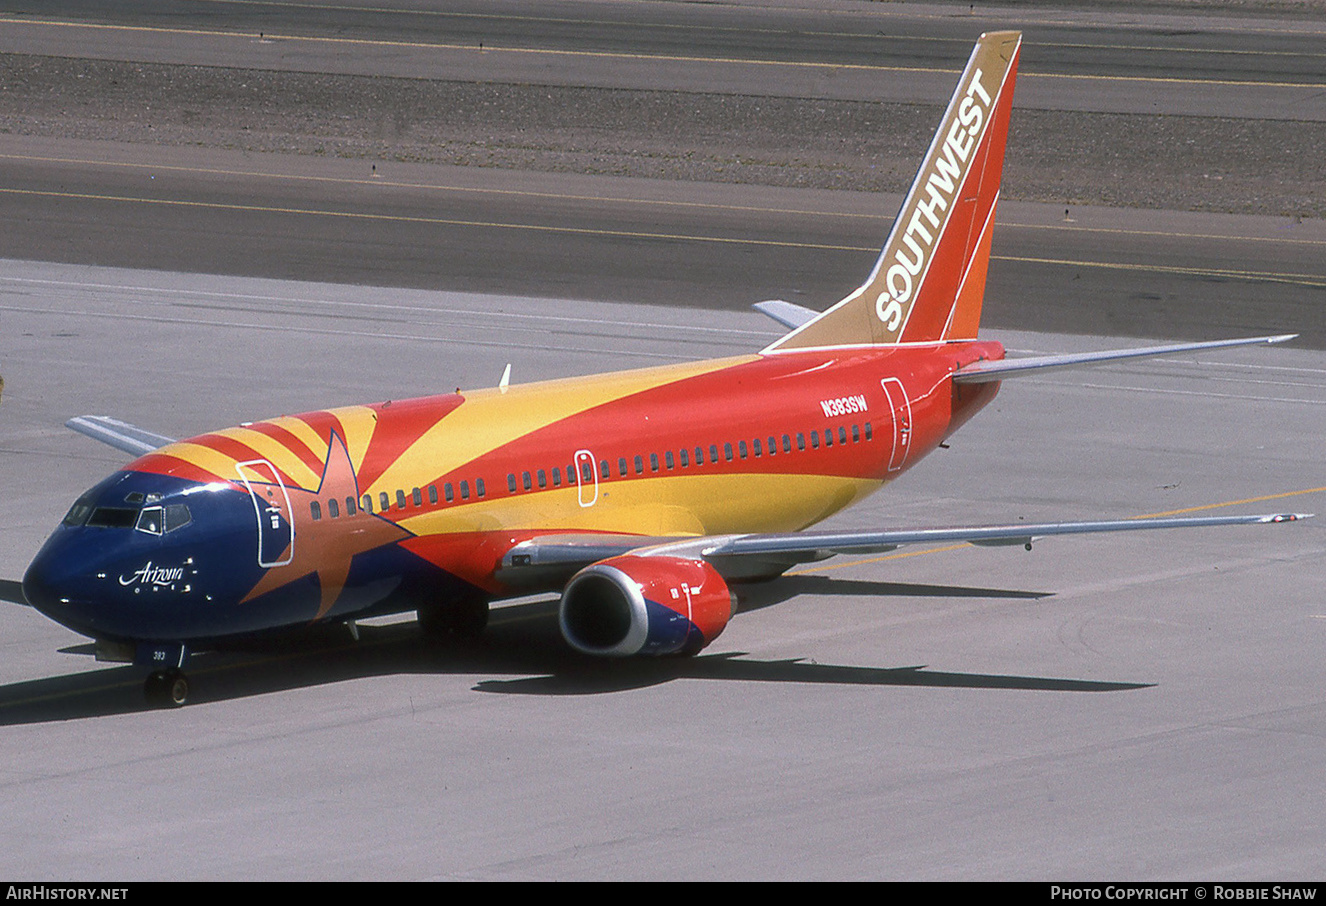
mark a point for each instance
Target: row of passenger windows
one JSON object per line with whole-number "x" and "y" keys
{"x": 555, "y": 477}
{"x": 402, "y": 500}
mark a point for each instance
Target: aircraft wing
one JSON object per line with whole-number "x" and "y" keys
{"x": 736, "y": 557}
{"x": 120, "y": 435}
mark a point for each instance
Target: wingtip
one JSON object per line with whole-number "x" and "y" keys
{"x": 1287, "y": 517}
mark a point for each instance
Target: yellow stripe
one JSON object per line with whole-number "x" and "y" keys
{"x": 812, "y": 65}
{"x": 1215, "y": 506}
{"x": 278, "y": 454}
{"x": 674, "y": 504}
{"x": 437, "y": 221}
{"x": 1303, "y": 279}
{"x": 489, "y": 419}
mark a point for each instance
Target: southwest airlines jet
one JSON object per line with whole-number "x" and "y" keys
{"x": 639, "y": 496}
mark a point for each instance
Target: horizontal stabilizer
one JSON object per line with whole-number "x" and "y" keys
{"x": 999, "y": 369}
{"x": 788, "y": 314}
{"x": 120, "y": 435}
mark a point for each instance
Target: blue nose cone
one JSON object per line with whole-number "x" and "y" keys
{"x": 49, "y": 587}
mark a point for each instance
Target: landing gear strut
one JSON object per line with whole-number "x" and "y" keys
{"x": 166, "y": 688}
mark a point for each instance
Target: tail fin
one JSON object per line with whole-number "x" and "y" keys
{"x": 929, "y": 281}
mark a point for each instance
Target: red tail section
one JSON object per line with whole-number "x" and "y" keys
{"x": 929, "y": 281}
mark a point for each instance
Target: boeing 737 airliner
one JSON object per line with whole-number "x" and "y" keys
{"x": 639, "y": 496}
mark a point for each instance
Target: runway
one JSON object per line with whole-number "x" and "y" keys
{"x": 1098, "y": 708}
{"x": 283, "y": 232}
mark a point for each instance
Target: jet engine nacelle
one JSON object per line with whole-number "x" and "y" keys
{"x": 631, "y": 605}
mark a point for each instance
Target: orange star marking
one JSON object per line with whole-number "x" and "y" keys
{"x": 325, "y": 547}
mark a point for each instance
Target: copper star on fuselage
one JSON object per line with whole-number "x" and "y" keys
{"x": 326, "y": 546}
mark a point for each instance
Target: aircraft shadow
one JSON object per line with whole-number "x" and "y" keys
{"x": 757, "y": 595}
{"x": 523, "y": 642}
{"x": 12, "y": 591}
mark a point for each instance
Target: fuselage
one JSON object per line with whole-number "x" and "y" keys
{"x": 341, "y": 513}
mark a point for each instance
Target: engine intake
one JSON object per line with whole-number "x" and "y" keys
{"x": 633, "y": 605}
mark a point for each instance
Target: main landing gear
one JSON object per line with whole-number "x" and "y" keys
{"x": 166, "y": 688}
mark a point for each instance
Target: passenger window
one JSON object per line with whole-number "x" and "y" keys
{"x": 773, "y": 446}
{"x": 867, "y": 430}
{"x": 524, "y": 480}
{"x": 685, "y": 457}
{"x": 856, "y": 434}
{"x": 557, "y": 478}
{"x": 814, "y": 440}
{"x": 604, "y": 471}
{"x": 349, "y": 510}
{"x": 432, "y": 494}
{"x": 741, "y": 448}
{"x": 842, "y": 435}
{"x": 464, "y": 490}
{"x": 333, "y": 509}
{"x": 543, "y": 479}
{"x": 450, "y": 493}
{"x": 828, "y": 437}
{"x": 668, "y": 460}
{"x": 621, "y": 466}
{"x": 511, "y": 482}
{"x": 787, "y": 444}
{"x": 653, "y": 462}
{"x": 801, "y": 441}
{"x": 384, "y": 502}
{"x": 755, "y": 445}
{"x": 400, "y": 499}
{"x": 315, "y": 510}
{"x": 639, "y": 466}
{"x": 478, "y": 487}
{"x": 713, "y": 453}
{"x": 586, "y": 471}
{"x": 367, "y": 503}
{"x": 727, "y": 452}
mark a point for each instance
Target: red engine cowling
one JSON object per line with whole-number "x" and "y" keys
{"x": 631, "y": 605}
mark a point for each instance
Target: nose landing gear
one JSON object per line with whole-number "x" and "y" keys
{"x": 166, "y": 688}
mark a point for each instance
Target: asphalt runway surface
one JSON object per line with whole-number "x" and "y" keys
{"x": 1111, "y": 707}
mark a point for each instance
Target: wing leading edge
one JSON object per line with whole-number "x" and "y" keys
{"x": 751, "y": 556}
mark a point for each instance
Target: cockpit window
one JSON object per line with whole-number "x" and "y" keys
{"x": 151, "y": 520}
{"x": 79, "y": 512}
{"x": 156, "y": 520}
{"x": 112, "y": 517}
{"x": 177, "y": 516}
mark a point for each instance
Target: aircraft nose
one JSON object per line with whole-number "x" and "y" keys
{"x": 42, "y": 584}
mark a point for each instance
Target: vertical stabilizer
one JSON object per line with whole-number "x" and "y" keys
{"x": 929, "y": 281}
